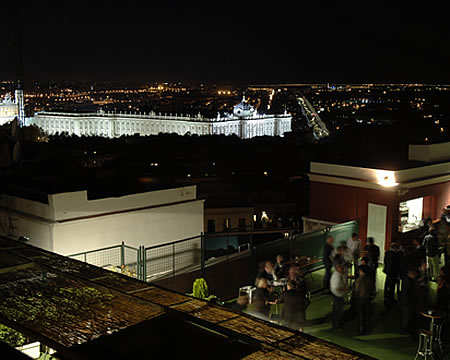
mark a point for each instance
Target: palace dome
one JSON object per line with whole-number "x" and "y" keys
{"x": 243, "y": 109}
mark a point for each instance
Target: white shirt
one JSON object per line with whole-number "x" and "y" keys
{"x": 354, "y": 246}
{"x": 337, "y": 284}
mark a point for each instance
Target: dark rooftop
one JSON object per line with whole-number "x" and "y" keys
{"x": 38, "y": 188}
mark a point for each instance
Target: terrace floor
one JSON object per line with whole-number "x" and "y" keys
{"x": 385, "y": 340}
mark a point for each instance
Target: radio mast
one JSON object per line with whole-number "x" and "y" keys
{"x": 19, "y": 98}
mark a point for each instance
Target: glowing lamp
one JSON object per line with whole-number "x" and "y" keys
{"x": 386, "y": 178}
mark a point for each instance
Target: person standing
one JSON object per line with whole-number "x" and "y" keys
{"x": 422, "y": 281}
{"x": 338, "y": 288}
{"x": 443, "y": 291}
{"x": 261, "y": 300}
{"x": 280, "y": 267}
{"x": 373, "y": 252}
{"x": 294, "y": 309}
{"x": 392, "y": 271}
{"x": 408, "y": 301}
{"x": 364, "y": 286}
{"x": 419, "y": 251}
{"x": 327, "y": 261}
{"x": 354, "y": 246}
{"x": 432, "y": 252}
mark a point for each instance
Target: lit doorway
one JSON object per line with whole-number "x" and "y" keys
{"x": 376, "y": 225}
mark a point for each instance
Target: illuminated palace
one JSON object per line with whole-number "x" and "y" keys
{"x": 244, "y": 122}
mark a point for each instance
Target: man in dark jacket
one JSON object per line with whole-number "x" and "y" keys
{"x": 419, "y": 251}
{"x": 432, "y": 251}
{"x": 408, "y": 301}
{"x": 364, "y": 287}
{"x": 392, "y": 271}
{"x": 373, "y": 252}
{"x": 294, "y": 309}
{"x": 327, "y": 261}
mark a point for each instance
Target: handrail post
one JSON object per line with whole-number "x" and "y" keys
{"x": 138, "y": 264}
{"x": 202, "y": 254}
{"x": 144, "y": 261}
{"x": 122, "y": 254}
{"x": 173, "y": 259}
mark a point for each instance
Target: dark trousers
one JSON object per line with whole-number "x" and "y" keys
{"x": 327, "y": 276}
{"x": 338, "y": 311}
{"x": 363, "y": 310}
{"x": 409, "y": 318}
{"x": 389, "y": 290}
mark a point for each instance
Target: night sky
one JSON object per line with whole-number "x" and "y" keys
{"x": 224, "y": 41}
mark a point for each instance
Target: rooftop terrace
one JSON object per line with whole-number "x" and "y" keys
{"x": 85, "y": 312}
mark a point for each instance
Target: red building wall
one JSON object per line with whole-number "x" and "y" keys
{"x": 340, "y": 203}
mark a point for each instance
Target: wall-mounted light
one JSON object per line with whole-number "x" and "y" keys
{"x": 386, "y": 178}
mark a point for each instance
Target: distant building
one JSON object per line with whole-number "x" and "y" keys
{"x": 228, "y": 218}
{"x": 388, "y": 204}
{"x": 8, "y": 109}
{"x": 245, "y": 122}
{"x": 72, "y": 222}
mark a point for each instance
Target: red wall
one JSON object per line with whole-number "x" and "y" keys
{"x": 340, "y": 203}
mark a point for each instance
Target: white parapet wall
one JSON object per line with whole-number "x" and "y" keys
{"x": 70, "y": 223}
{"x": 429, "y": 153}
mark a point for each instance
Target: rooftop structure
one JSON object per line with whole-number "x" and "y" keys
{"x": 389, "y": 204}
{"x": 56, "y": 219}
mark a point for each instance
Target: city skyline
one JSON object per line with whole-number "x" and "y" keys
{"x": 236, "y": 44}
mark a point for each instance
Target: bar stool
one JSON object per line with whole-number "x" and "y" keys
{"x": 425, "y": 348}
{"x": 436, "y": 331}
{"x": 436, "y": 318}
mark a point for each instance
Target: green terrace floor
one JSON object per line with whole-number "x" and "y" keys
{"x": 385, "y": 340}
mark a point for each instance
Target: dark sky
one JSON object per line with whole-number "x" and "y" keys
{"x": 224, "y": 41}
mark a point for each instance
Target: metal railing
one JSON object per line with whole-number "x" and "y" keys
{"x": 173, "y": 258}
{"x": 196, "y": 254}
{"x": 119, "y": 258}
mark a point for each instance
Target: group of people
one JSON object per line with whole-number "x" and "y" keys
{"x": 351, "y": 257}
{"x": 281, "y": 283}
{"x": 408, "y": 272}
{"x": 351, "y": 274}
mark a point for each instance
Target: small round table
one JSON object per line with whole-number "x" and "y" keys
{"x": 433, "y": 315}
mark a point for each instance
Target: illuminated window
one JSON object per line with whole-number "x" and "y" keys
{"x": 410, "y": 214}
{"x": 226, "y": 224}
